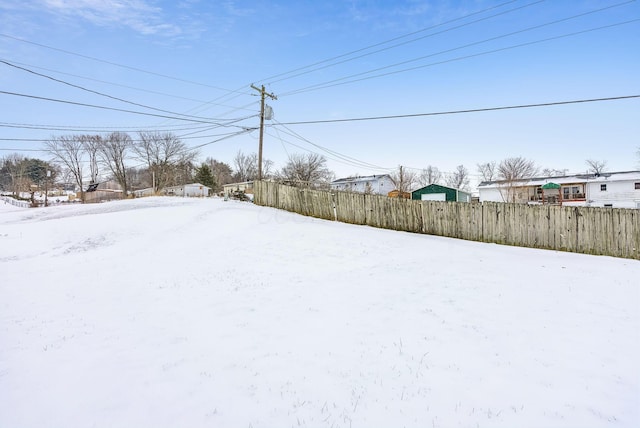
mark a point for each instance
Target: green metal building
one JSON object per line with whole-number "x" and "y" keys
{"x": 436, "y": 192}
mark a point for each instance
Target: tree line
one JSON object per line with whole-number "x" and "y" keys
{"x": 163, "y": 160}
{"x": 153, "y": 160}
{"x": 510, "y": 171}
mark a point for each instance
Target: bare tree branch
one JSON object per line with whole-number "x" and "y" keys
{"x": 429, "y": 175}
{"x": 403, "y": 179}
{"x": 309, "y": 169}
{"x": 114, "y": 151}
{"x": 69, "y": 151}
{"x": 552, "y": 172}
{"x": 513, "y": 170}
{"x": 162, "y": 153}
{"x": 92, "y": 145}
{"x": 595, "y": 166}
{"x": 487, "y": 170}
{"x": 459, "y": 179}
{"x": 246, "y": 167}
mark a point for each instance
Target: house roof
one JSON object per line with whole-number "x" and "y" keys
{"x": 360, "y": 178}
{"x": 568, "y": 179}
{"x": 434, "y": 185}
{"x": 188, "y": 185}
{"x": 238, "y": 183}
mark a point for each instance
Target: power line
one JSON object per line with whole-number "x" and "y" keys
{"x": 331, "y": 152}
{"x": 442, "y": 113}
{"x": 99, "y": 93}
{"x": 21, "y": 150}
{"x": 140, "y": 70}
{"x": 233, "y": 109}
{"x": 362, "y": 49}
{"x": 103, "y": 107}
{"x": 206, "y": 104}
{"x": 333, "y": 82}
{"x": 118, "y": 84}
{"x": 78, "y": 128}
{"x": 244, "y": 131}
{"x": 306, "y": 149}
{"x": 410, "y": 41}
{"x": 181, "y": 137}
{"x": 386, "y": 41}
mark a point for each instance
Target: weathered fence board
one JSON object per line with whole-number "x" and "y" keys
{"x": 604, "y": 231}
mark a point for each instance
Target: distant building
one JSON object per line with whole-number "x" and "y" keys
{"x": 436, "y": 192}
{"x": 104, "y": 191}
{"x": 399, "y": 194}
{"x": 608, "y": 189}
{"x": 374, "y": 184}
{"x": 244, "y": 186}
{"x": 141, "y": 193}
{"x": 193, "y": 190}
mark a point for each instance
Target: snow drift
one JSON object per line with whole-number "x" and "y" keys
{"x": 172, "y": 312}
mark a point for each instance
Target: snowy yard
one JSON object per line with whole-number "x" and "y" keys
{"x": 168, "y": 312}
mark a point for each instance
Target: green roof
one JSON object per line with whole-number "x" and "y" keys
{"x": 551, "y": 186}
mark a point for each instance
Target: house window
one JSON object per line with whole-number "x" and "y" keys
{"x": 637, "y": 186}
{"x": 608, "y": 205}
{"x": 603, "y": 187}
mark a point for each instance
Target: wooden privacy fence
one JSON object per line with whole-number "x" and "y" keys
{"x": 589, "y": 230}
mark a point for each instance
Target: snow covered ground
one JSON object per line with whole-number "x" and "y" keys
{"x": 168, "y": 312}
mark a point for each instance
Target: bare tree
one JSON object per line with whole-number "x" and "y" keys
{"x": 222, "y": 173}
{"x": 512, "y": 171}
{"x": 309, "y": 169}
{"x": 459, "y": 179}
{"x": 267, "y": 167}
{"x": 429, "y": 175}
{"x": 162, "y": 152}
{"x": 92, "y": 145}
{"x": 114, "y": 152}
{"x": 16, "y": 166}
{"x": 403, "y": 180}
{"x": 5, "y": 178}
{"x": 183, "y": 173}
{"x": 595, "y": 166}
{"x": 69, "y": 151}
{"x": 245, "y": 166}
{"x": 516, "y": 168}
{"x": 487, "y": 170}
{"x": 552, "y": 172}
{"x": 138, "y": 178}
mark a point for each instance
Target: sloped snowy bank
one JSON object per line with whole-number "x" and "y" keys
{"x": 170, "y": 312}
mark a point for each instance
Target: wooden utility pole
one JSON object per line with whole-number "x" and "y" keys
{"x": 262, "y": 95}
{"x": 47, "y": 175}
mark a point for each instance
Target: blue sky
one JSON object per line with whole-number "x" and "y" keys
{"x": 385, "y": 58}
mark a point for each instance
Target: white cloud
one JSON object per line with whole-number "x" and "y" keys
{"x": 139, "y": 15}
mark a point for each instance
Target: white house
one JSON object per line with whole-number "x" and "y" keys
{"x": 615, "y": 190}
{"x": 609, "y": 189}
{"x": 188, "y": 190}
{"x": 141, "y": 193}
{"x": 244, "y": 186}
{"x": 374, "y": 184}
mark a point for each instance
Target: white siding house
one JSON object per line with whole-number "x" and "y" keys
{"x": 188, "y": 190}
{"x": 374, "y": 184}
{"x": 616, "y": 190}
{"x": 609, "y": 189}
{"x": 245, "y": 186}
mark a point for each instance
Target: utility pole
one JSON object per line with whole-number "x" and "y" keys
{"x": 262, "y": 95}
{"x": 46, "y": 187}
